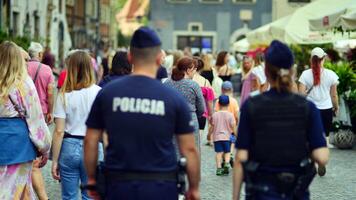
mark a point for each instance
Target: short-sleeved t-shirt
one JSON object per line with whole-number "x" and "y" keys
{"x": 320, "y": 94}
{"x": 75, "y": 109}
{"x": 315, "y": 128}
{"x": 140, "y": 116}
{"x": 44, "y": 78}
{"x": 222, "y": 122}
{"x": 233, "y": 107}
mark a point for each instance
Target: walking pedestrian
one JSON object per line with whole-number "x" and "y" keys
{"x": 162, "y": 73}
{"x": 223, "y": 126}
{"x": 42, "y": 76}
{"x": 120, "y": 67}
{"x": 181, "y": 80}
{"x": 249, "y": 79}
{"x": 233, "y": 108}
{"x": 260, "y": 82}
{"x": 208, "y": 94}
{"x": 207, "y": 72}
{"x": 320, "y": 87}
{"x": 48, "y": 58}
{"x": 23, "y": 130}
{"x": 141, "y": 116}
{"x": 280, "y": 137}
{"x": 222, "y": 67}
{"x": 211, "y": 74}
{"x": 71, "y": 110}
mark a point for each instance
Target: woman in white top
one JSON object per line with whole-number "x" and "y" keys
{"x": 71, "y": 110}
{"x": 320, "y": 86}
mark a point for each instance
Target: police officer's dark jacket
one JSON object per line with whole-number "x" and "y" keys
{"x": 279, "y": 129}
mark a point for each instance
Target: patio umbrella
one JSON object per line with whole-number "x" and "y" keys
{"x": 294, "y": 29}
{"x": 332, "y": 15}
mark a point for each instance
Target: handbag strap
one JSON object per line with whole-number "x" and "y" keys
{"x": 21, "y": 113}
{"x": 37, "y": 71}
{"x": 310, "y": 89}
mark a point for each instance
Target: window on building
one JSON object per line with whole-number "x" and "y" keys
{"x": 178, "y": 1}
{"x": 15, "y": 23}
{"x": 244, "y": 1}
{"x": 211, "y": 1}
{"x": 37, "y": 26}
{"x": 196, "y": 43}
{"x": 299, "y": 1}
{"x": 60, "y": 6}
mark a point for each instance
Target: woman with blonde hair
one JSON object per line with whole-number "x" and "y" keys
{"x": 71, "y": 110}
{"x": 23, "y": 130}
{"x": 210, "y": 74}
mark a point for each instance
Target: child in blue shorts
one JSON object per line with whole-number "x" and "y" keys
{"x": 223, "y": 124}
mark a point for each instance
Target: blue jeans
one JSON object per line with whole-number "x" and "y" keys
{"x": 142, "y": 190}
{"x": 71, "y": 168}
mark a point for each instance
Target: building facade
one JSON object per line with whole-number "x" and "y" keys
{"x": 282, "y": 8}
{"x": 206, "y": 25}
{"x": 83, "y": 18}
{"x": 26, "y": 18}
{"x": 59, "y": 39}
{"x": 108, "y": 25}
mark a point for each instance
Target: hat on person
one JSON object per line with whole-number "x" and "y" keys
{"x": 35, "y": 47}
{"x": 145, "y": 37}
{"x": 224, "y": 100}
{"x": 279, "y": 55}
{"x": 226, "y": 85}
{"x": 319, "y": 52}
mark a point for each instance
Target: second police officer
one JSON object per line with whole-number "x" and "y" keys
{"x": 280, "y": 137}
{"x": 141, "y": 116}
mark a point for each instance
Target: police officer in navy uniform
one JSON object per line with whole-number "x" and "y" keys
{"x": 141, "y": 116}
{"x": 280, "y": 137}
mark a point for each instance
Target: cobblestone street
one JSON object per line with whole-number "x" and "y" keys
{"x": 339, "y": 182}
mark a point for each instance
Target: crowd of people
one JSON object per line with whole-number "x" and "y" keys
{"x": 148, "y": 108}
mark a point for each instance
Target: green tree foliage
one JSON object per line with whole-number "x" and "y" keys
{"x": 22, "y": 41}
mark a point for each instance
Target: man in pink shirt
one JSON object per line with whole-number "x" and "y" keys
{"x": 42, "y": 76}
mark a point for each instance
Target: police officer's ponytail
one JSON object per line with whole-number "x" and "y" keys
{"x": 183, "y": 65}
{"x": 281, "y": 77}
{"x": 279, "y": 60}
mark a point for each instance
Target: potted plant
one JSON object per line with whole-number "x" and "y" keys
{"x": 351, "y": 101}
{"x": 347, "y": 86}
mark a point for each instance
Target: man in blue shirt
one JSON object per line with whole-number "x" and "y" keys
{"x": 279, "y": 132}
{"x": 141, "y": 117}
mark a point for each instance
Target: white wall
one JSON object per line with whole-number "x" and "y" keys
{"x": 25, "y": 6}
{"x": 58, "y": 18}
{"x": 281, "y": 8}
{"x": 22, "y": 7}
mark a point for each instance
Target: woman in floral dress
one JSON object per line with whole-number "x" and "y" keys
{"x": 19, "y": 103}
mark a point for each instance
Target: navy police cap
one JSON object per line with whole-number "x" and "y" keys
{"x": 224, "y": 100}
{"x": 278, "y": 54}
{"x": 145, "y": 37}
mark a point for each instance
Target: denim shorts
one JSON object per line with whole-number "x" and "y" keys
{"x": 222, "y": 146}
{"x": 232, "y": 138}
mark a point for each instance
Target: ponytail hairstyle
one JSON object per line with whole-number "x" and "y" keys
{"x": 315, "y": 63}
{"x": 183, "y": 65}
{"x": 282, "y": 77}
